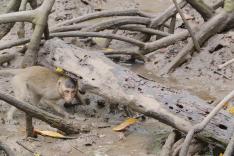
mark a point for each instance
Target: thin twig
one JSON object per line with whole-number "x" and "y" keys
{"x": 28, "y": 149}
{"x": 226, "y": 63}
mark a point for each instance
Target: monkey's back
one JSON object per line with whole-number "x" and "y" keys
{"x": 38, "y": 79}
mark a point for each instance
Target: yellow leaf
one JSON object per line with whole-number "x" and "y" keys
{"x": 221, "y": 154}
{"x": 231, "y": 110}
{"x": 108, "y": 49}
{"x": 49, "y": 133}
{"x": 53, "y": 134}
{"x": 59, "y": 70}
{"x": 125, "y": 124}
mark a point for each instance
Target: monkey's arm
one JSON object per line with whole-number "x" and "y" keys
{"x": 80, "y": 98}
{"x": 57, "y": 106}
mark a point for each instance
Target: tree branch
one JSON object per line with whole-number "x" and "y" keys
{"x": 98, "y": 34}
{"x": 12, "y": 7}
{"x": 196, "y": 44}
{"x": 40, "y": 20}
{"x": 118, "y": 22}
{"x": 201, "y": 7}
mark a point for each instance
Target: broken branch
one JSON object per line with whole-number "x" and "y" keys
{"x": 55, "y": 121}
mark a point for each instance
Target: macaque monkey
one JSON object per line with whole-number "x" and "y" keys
{"x": 41, "y": 85}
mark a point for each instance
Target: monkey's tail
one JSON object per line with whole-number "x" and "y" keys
{"x": 7, "y": 72}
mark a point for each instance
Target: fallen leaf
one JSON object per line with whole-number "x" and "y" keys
{"x": 125, "y": 124}
{"x": 108, "y": 49}
{"x": 53, "y": 134}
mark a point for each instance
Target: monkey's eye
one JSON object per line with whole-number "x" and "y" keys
{"x": 66, "y": 91}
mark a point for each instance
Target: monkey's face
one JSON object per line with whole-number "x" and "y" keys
{"x": 69, "y": 94}
{"x": 68, "y": 90}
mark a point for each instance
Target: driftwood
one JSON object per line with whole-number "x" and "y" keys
{"x": 66, "y": 126}
{"x": 176, "y": 108}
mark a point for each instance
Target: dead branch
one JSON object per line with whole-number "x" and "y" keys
{"x": 108, "y": 41}
{"x": 124, "y": 27}
{"x": 21, "y": 30}
{"x": 163, "y": 17}
{"x": 55, "y": 121}
{"x": 23, "y": 16}
{"x": 225, "y": 64}
{"x": 14, "y": 43}
{"x": 98, "y": 34}
{"x": 40, "y": 20}
{"x": 196, "y": 44}
{"x": 205, "y": 11}
{"x": 164, "y": 42}
{"x": 117, "y": 22}
{"x": 166, "y": 149}
{"x": 102, "y": 14}
{"x": 6, "y": 57}
{"x": 133, "y": 53}
{"x": 144, "y": 30}
{"x": 172, "y": 25}
{"x": 12, "y": 7}
{"x": 230, "y": 148}
{"x": 176, "y": 147}
{"x": 199, "y": 127}
{"x": 68, "y": 28}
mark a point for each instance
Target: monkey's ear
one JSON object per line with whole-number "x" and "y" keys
{"x": 59, "y": 82}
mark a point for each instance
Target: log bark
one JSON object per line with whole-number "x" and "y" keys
{"x": 55, "y": 121}
{"x": 176, "y": 108}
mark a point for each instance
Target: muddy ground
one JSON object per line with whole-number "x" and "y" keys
{"x": 199, "y": 75}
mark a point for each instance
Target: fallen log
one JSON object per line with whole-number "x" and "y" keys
{"x": 176, "y": 108}
{"x": 66, "y": 126}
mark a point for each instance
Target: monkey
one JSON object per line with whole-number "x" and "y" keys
{"x": 40, "y": 85}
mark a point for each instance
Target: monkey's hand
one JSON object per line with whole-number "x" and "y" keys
{"x": 70, "y": 116}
